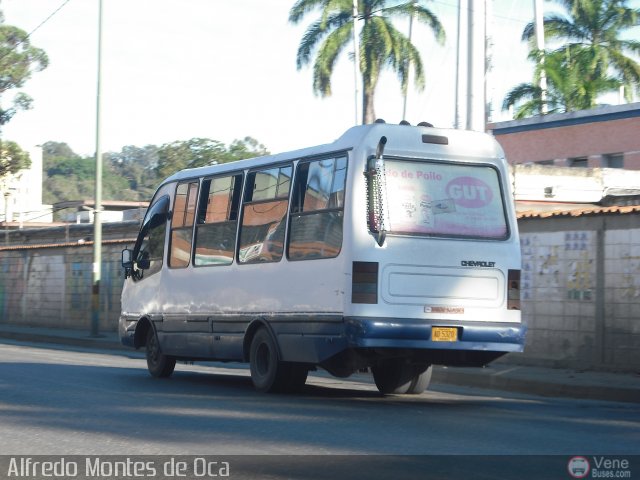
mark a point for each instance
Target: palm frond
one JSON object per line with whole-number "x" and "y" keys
{"x": 314, "y": 35}
{"x": 302, "y": 7}
{"x": 326, "y": 58}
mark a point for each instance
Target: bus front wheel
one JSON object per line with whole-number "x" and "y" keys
{"x": 399, "y": 377}
{"x": 159, "y": 364}
{"x": 268, "y": 372}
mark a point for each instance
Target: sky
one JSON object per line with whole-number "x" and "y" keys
{"x": 223, "y": 69}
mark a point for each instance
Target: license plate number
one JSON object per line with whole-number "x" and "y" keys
{"x": 444, "y": 334}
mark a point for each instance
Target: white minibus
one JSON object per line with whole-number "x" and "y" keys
{"x": 392, "y": 249}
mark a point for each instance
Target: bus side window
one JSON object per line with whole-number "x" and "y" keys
{"x": 317, "y": 209}
{"x": 264, "y": 211}
{"x": 217, "y": 220}
{"x": 184, "y": 207}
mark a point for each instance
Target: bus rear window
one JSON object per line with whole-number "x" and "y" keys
{"x": 444, "y": 199}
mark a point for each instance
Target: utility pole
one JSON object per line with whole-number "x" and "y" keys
{"x": 538, "y": 13}
{"x": 461, "y": 64}
{"x": 406, "y": 90}
{"x": 356, "y": 64}
{"x": 488, "y": 66}
{"x": 476, "y": 104}
{"x": 97, "y": 221}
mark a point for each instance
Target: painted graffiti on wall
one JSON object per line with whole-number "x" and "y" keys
{"x": 540, "y": 267}
{"x": 558, "y": 266}
{"x": 580, "y": 254}
{"x": 630, "y": 278}
{"x": 623, "y": 255}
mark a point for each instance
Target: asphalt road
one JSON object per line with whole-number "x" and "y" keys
{"x": 61, "y": 401}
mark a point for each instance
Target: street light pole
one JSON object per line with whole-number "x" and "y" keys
{"x": 97, "y": 221}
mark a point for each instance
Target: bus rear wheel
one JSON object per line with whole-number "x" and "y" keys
{"x": 159, "y": 364}
{"x": 397, "y": 376}
{"x": 268, "y": 372}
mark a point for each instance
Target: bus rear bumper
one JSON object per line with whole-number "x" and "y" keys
{"x": 417, "y": 334}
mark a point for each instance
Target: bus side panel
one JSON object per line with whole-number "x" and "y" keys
{"x": 210, "y": 308}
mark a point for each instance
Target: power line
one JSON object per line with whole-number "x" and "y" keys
{"x": 48, "y": 18}
{"x": 36, "y": 29}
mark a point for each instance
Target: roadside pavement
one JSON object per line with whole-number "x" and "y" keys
{"x": 500, "y": 375}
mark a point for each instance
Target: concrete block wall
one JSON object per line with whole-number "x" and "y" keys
{"x": 46, "y": 276}
{"x": 622, "y": 297}
{"x": 559, "y": 295}
{"x": 581, "y": 291}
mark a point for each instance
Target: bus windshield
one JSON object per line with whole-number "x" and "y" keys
{"x": 444, "y": 199}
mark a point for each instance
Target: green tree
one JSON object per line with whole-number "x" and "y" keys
{"x": 137, "y": 165}
{"x": 135, "y": 172}
{"x": 68, "y": 176}
{"x": 52, "y": 151}
{"x": 592, "y": 31}
{"x": 12, "y": 158}
{"x": 18, "y": 60}
{"x": 193, "y": 153}
{"x": 571, "y": 85}
{"x": 248, "y": 147}
{"x": 381, "y": 44}
{"x": 199, "y": 152}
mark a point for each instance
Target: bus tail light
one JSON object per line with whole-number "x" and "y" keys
{"x": 364, "y": 287}
{"x": 513, "y": 290}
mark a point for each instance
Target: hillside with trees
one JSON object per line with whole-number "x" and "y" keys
{"x": 134, "y": 172}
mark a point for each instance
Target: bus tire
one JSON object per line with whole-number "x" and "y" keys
{"x": 396, "y": 376}
{"x": 268, "y": 372}
{"x": 159, "y": 364}
{"x": 421, "y": 380}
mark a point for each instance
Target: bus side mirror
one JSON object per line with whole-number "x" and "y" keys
{"x": 127, "y": 262}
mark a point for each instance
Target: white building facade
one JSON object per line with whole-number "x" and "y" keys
{"x": 21, "y": 194}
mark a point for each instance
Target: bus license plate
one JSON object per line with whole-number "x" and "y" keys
{"x": 444, "y": 334}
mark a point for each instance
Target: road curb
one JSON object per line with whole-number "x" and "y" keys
{"x": 533, "y": 386}
{"x": 102, "y": 343}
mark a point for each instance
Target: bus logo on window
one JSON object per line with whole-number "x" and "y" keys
{"x": 469, "y": 192}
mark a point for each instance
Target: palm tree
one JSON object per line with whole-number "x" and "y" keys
{"x": 572, "y": 84}
{"x": 591, "y": 29}
{"x": 381, "y": 43}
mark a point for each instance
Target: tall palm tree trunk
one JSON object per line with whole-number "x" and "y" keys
{"x": 368, "y": 109}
